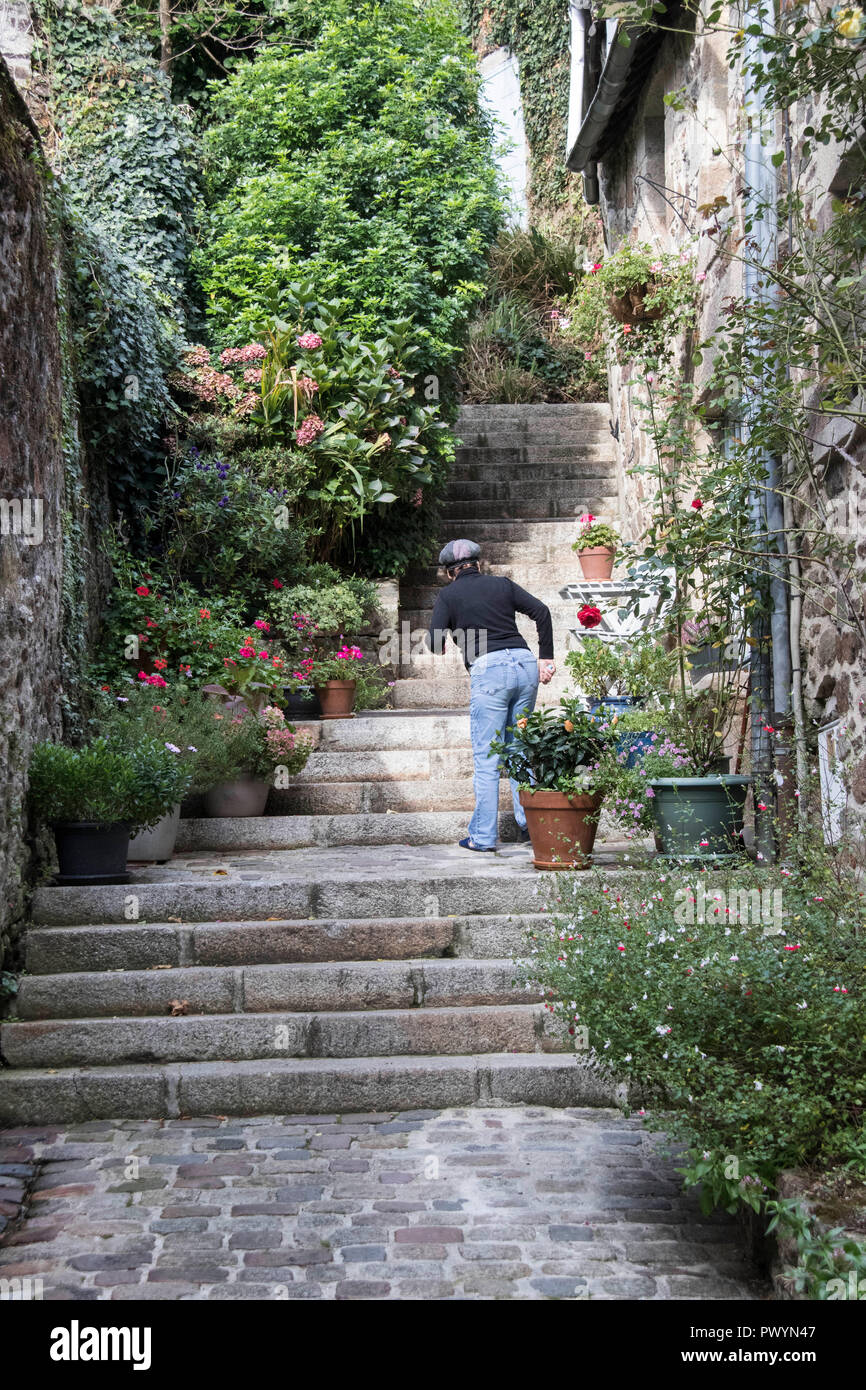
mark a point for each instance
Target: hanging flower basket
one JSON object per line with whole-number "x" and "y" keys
{"x": 631, "y": 306}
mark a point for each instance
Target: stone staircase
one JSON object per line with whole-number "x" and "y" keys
{"x": 339, "y": 954}
{"x": 522, "y": 476}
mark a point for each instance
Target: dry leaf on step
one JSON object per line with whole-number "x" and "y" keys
{"x": 178, "y": 1007}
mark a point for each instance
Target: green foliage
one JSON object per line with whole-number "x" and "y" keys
{"x": 331, "y": 603}
{"x": 639, "y": 667}
{"x": 124, "y": 154}
{"x": 539, "y": 32}
{"x": 351, "y": 409}
{"x": 742, "y": 1014}
{"x": 638, "y": 301}
{"x": 520, "y": 344}
{"x": 360, "y": 161}
{"x": 227, "y": 533}
{"x": 107, "y": 783}
{"x": 550, "y": 748}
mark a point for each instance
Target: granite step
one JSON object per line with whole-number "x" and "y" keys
{"x": 582, "y": 458}
{"x": 299, "y": 987}
{"x": 387, "y": 827}
{"x": 303, "y": 1086}
{"x": 570, "y": 503}
{"x": 148, "y": 945}
{"x": 374, "y": 799}
{"x": 444, "y": 1031}
{"x": 357, "y": 881}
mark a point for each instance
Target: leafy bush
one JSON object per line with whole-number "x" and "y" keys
{"x": 736, "y": 1000}
{"x": 331, "y": 603}
{"x": 360, "y": 161}
{"x": 227, "y": 533}
{"x": 351, "y": 408}
{"x": 639, "y": 667}
{"x": 521, "y": 348}
{"x": 107, "y": 783}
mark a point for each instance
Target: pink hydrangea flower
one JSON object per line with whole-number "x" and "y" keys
{"x": 310, "y": 342}
{"x": 310, "y": 429}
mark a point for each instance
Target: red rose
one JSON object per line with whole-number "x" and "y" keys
{"x": 142, "y": 591}
{"x": 589, "y": 615}
{"x": 697, "y": 504}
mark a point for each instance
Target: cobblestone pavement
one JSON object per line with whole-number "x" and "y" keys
{"x": 522, "y": 1203}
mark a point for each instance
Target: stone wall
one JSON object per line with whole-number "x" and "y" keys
{"x": 672, "y": 163}
{"x": 46, "y": 498}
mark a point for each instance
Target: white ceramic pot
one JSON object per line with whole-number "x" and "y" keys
{"x": 157, "y": 843}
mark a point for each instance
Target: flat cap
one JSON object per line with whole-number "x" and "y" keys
{"x": 455, "y": 551}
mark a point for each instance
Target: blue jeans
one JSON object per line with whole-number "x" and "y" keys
{"x": 503, "y": 685}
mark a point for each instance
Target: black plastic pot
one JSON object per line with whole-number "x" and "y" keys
{"x": 300, "y": 707}
{"x": 88, "y": 852}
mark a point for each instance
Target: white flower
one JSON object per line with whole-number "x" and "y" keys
{"x": 759, "y": 1085}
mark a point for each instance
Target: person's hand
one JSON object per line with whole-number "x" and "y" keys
{"x": 546, "y": 671}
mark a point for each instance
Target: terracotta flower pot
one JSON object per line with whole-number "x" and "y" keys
{"x": 562, "y": 828}
{"x": 246, "y": 796}
{"x": 337, "y": 699}
{"x": 597, "y": 561}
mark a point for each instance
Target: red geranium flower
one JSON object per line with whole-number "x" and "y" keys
{"x": 589, "y": 615}
{"x": 142, "y": 591}
{"x": 277, "y": 583}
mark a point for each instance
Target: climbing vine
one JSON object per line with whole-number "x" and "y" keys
{"x": 124, "y": 154}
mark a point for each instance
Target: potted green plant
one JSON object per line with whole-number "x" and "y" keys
{"x": 238, "y": 752}
{"x": 697, "y": 812}
{"x": 255, "y": 676}
{"x": 94, "y": 798}
{"x": 335, "y": 681}
{"x": 596, "y": 546}
{"x": 553, "y": 754}
{"x": 123, "y": 717}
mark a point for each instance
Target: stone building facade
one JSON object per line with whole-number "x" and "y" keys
{"x": 652, "y": 166}
{"x": 51, "y": 501}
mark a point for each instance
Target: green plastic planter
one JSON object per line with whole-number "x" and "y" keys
{"x": 699, "y": 817}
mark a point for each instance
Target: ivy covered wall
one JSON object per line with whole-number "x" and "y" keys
{"x": 51, "y": 504}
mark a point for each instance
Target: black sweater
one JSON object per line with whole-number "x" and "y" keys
{"x": 482, "y": 606}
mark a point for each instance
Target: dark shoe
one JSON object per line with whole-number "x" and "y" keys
{"x": 480, "y": 849}
{"x": 523, "y": 835}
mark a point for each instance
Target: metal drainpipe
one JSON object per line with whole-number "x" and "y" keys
{"x": 771, "y": 692}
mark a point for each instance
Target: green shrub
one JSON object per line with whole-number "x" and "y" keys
{"x": 226, "y": 533}
{"x": 107, "y": 783}
{"x": 361, "y": 161}
{"x": 333, "y": 603}
{"x": 736, "y": 1000}
{"x": 521, "y": 348}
